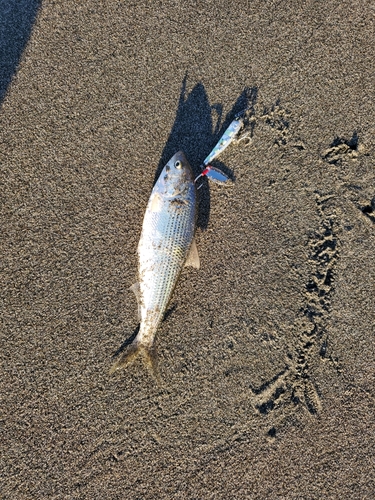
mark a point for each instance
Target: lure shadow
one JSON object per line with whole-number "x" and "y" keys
{"x": 16, "y": 22}
{"x": 194, "y": 133}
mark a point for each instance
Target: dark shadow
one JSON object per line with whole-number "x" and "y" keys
{"x": 368, "y": 210}
{"x": 169, "y": 311}
{"x": 194, "y": 133}
{"x": 352, "y": 143}
{"x": 16, "y": 20}
{"x": 126, "y": 342}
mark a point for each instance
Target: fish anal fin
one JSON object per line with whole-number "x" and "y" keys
{"x": 136, "y": 289}
{"x": 193, "y": 256}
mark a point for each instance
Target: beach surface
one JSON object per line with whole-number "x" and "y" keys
{"x": 267, "y": 354}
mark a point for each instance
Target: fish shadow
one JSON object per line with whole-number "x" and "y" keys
{"x": 16, "y": 22}
{"x": 126, "y": 342}
{"x": 194, "y": 133}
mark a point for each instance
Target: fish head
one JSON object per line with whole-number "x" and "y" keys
{"x": 176, "y": 177}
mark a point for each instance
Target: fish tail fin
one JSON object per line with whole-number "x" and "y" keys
{"x": 127, "y": 356}
{"x": 151, "y": 360}
{"x": 131, "y": 352}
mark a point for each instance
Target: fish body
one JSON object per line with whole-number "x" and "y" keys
{"x": 166, "y": 245}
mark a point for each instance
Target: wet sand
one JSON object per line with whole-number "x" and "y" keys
{"x": 267, "y": 355}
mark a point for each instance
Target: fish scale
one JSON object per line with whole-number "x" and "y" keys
{"x": 162, "y": 253}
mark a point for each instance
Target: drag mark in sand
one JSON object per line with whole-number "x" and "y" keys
{"x": 294, "y": 385}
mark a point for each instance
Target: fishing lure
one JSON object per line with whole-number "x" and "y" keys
{"x": 231, "y": 134}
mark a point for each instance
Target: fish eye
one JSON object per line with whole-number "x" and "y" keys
{"x": 178, "y": 165}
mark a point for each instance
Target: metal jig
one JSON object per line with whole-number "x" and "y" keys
{"x": 231, "y": 134}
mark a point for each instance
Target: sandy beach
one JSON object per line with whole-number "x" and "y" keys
{"x": 267, "y": 353}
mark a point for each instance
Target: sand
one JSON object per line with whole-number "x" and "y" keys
{"x": 267, "y": 354}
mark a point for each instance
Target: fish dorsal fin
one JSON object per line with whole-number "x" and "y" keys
{"x": 136, "y": 289}
{"x": 193, "y": 257}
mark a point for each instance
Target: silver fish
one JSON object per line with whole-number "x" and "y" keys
{"x": 166, "y": 245}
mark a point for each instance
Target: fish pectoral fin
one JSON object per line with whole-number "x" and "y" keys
{"x": 193, "y": 256}
{"x": 156, "y": 202}
{"x": 136, "y": 289}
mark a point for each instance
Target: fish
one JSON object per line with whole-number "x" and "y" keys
{"x": 166, "y": 245}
